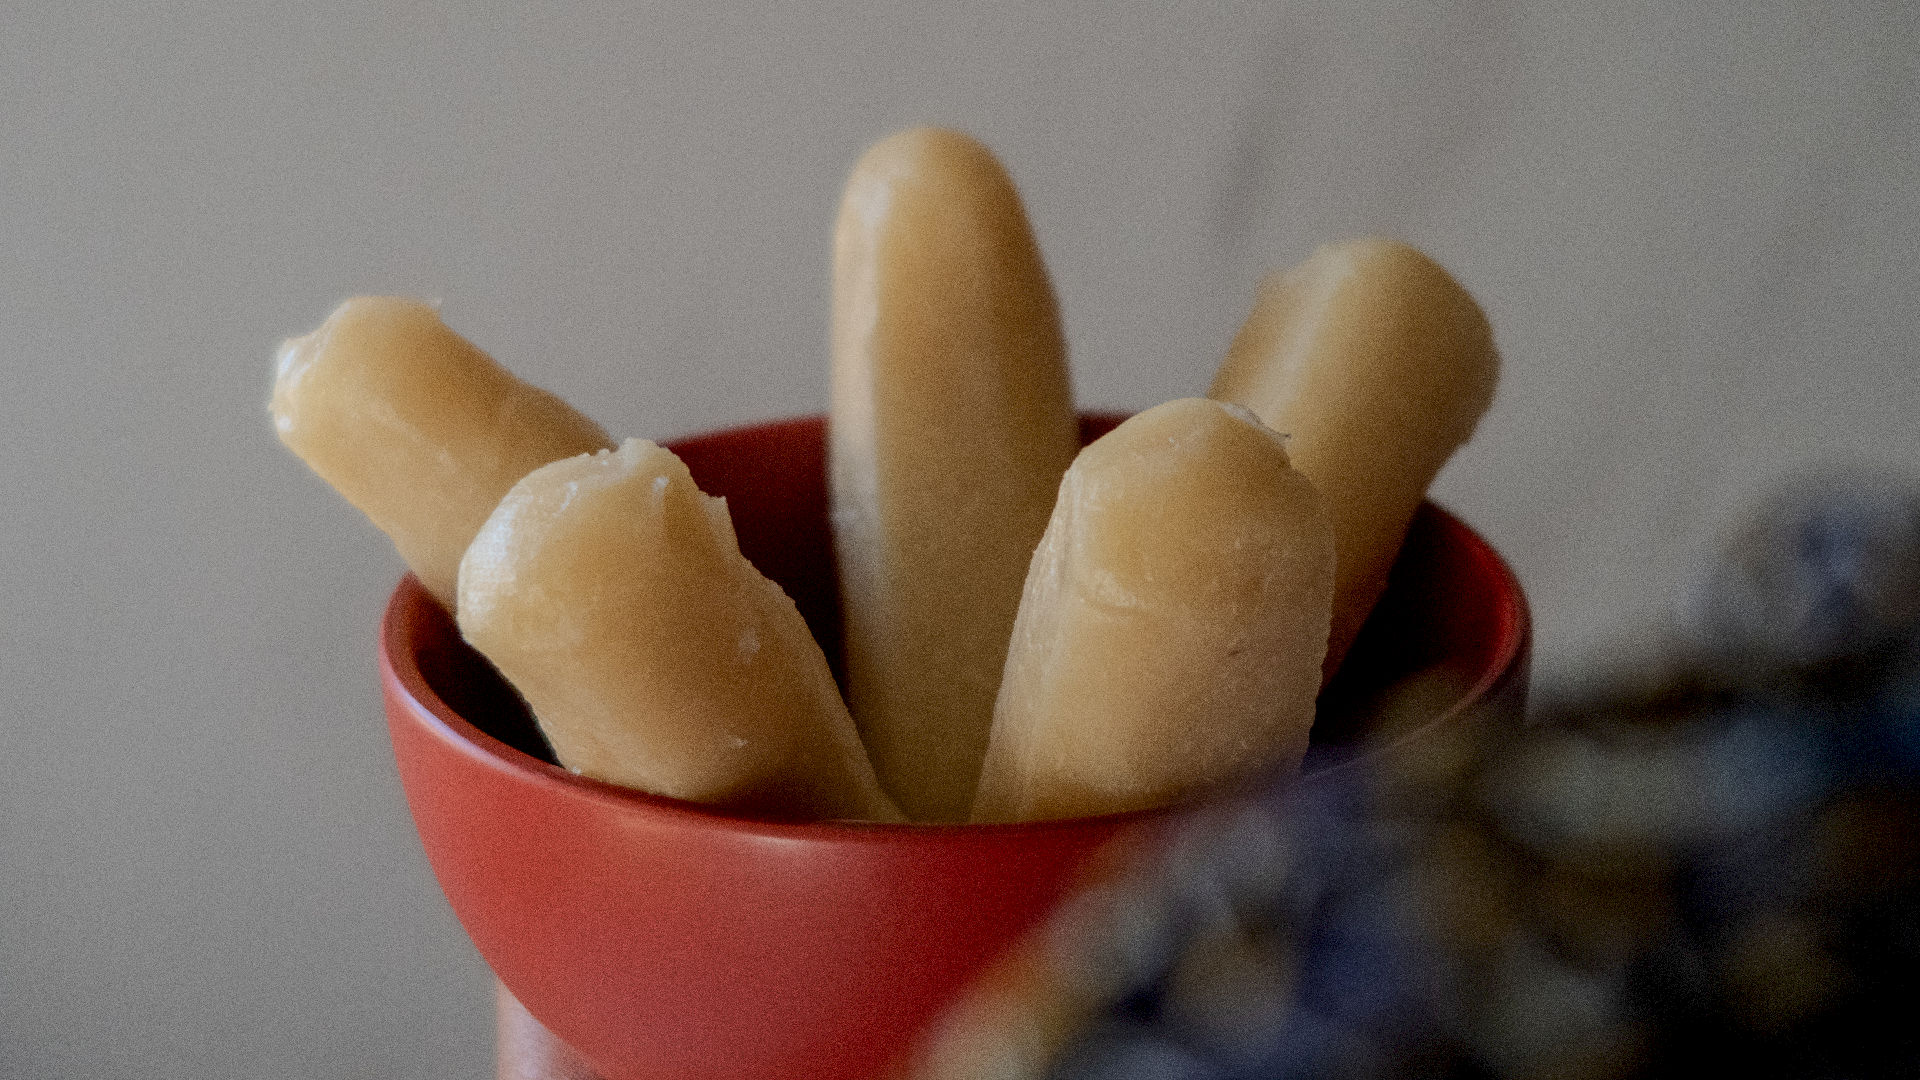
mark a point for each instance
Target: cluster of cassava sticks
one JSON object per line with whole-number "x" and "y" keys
{"x": 1034, "y": 630}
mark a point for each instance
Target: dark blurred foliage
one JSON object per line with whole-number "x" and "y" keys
{"x": 1712, "y": 871}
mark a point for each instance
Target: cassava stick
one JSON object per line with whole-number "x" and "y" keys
{"x": 952, "y": 422}
{"x": 1376, "y": 366}
{"x": 1173, "y": 623}
{"x": 415, "y": 426}
{"x": 614, "y": 597}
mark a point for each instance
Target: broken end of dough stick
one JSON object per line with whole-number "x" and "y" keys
{"x": 612, "y": 593}
{"x": 1173, "y": 623}
{"x": 416, "y": 427}
{"x": 1376, "y": 365}
{"x": 952, "y": 422}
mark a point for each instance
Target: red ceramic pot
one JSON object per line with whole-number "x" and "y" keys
{"x": 661, "y": 939}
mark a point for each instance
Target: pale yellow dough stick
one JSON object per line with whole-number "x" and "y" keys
{"x": 415, "y": 426}
{"x": 952, "y": 422}
{"x": 1173, "y": 624}
{"x": 1376, "y": 365}
{"x": 612, "y": 594}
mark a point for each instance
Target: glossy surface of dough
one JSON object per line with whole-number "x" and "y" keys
{"x": 1376, "y": 365}
{"x": 952, "y": 423}
{"x": 1173, "y": 623}
{"x": 418, "y": 428}
{"x": 612, "y": 593}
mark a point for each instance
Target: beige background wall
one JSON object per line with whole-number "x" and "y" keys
{"x": 1694, "y": 227}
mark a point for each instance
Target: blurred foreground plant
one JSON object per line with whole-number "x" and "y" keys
{"x": 1714, "y": 871}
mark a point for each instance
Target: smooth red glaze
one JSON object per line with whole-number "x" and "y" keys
{"x": 663, "y": 940}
